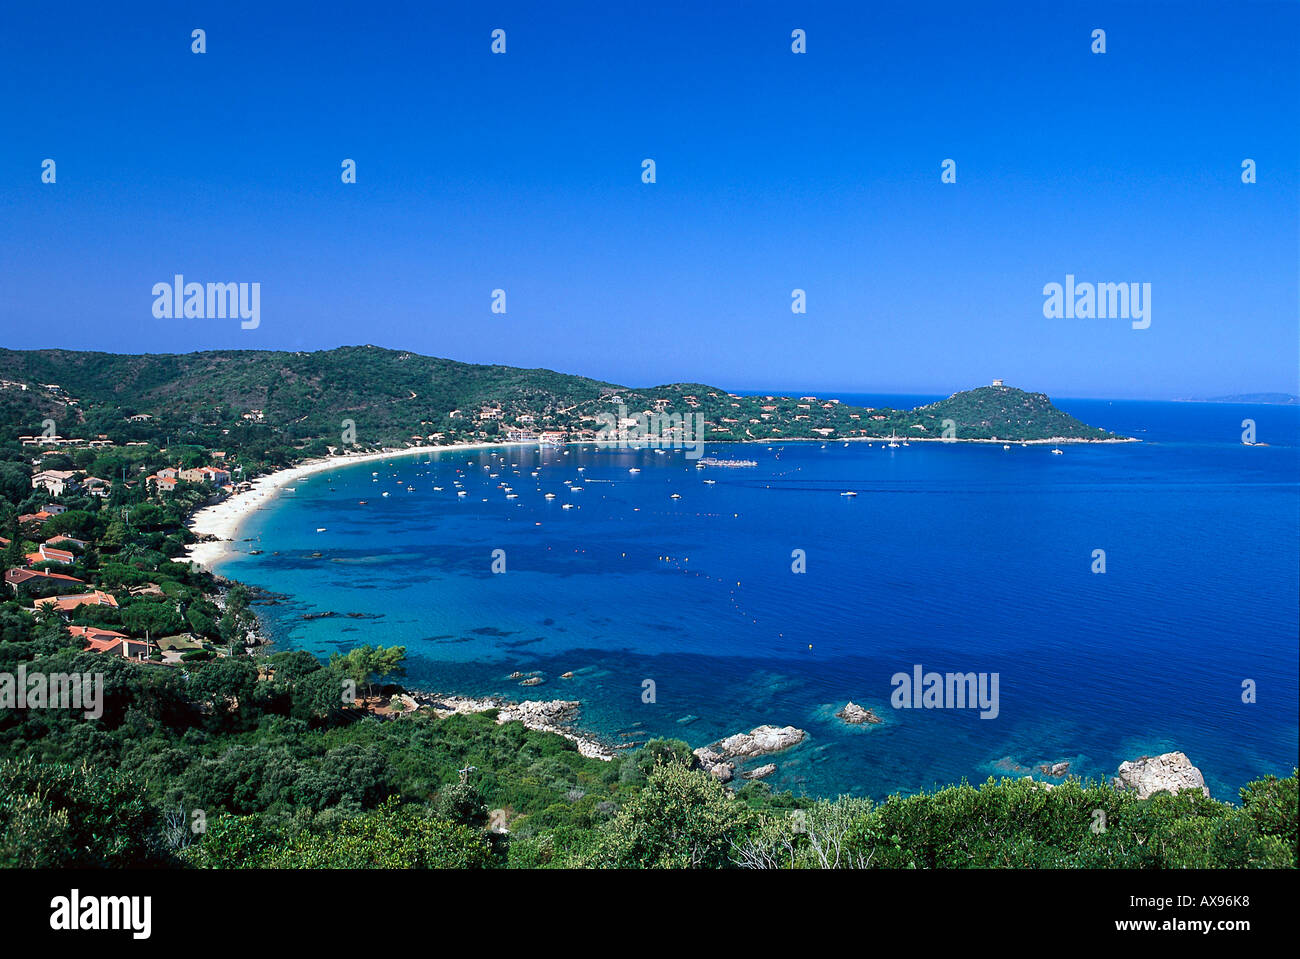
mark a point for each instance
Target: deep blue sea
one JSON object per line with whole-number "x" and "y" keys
{"x": 960, "y": 558}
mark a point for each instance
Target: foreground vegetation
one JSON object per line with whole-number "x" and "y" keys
{"x": 223, "y": 770}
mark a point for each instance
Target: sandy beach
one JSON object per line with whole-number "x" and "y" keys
{"x": 223, "y": 519}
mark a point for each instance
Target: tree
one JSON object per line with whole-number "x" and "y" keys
{"x": 366, "y": 664}
{"x": 152, "y": 618}
{"x": 15, "y": 482}
{"x": 224, "y": 680}
{"x": 461, "y": 802}
{"x": 681, "y": 819}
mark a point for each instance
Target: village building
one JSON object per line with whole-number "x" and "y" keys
{"x": 66, "y": 604}
{"x": 116, "y": 644}
{"x": 55, "y": 482}
{"x": 22, "y": 580}
{"x": 49, "y": 554}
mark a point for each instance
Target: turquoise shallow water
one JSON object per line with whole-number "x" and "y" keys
{"x": 955, "y": 557}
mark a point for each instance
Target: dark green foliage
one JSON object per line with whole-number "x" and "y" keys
{"x": 681, "y": 819}
{"x": 66, "y": 816}
{"x": 391, "y": 837}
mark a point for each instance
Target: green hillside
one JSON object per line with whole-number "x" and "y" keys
{"x": 244, "y": 399}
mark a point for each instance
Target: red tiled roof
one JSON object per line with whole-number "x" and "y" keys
{"x": 108, "y": 641}
{"x": 65, "y": 603}
{"x": 16, "y": 576}
{"x": 48, "y": 554}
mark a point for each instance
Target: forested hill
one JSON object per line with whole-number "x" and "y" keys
{"x": 234, "y": 398}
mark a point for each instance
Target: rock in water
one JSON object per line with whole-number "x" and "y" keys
{"x": 1148, "y": 775}
{"x": 760, "y": 740}
{"x": 708, "y": 758}
{"x": 722, "y": 772}
{"x": 762, "y": 772}
{"x": 854, "y": 714}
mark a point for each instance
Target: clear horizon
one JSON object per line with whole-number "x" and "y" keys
{"x": 822, "y": 391}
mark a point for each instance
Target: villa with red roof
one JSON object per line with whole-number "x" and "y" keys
{"x": 17, "y": 579}
{"x": 107, "y": 641}
{"x": 48, "y": 554}
{"x": 65, "y": 604}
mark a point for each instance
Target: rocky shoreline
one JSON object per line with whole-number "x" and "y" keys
{"x": 551, "y": 716}
{"x": 720, "y": 759}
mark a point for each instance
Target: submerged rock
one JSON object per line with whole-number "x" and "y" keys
{"x": 1171, "y": 772}
{"x": 1055, "y": 770}
{"x": 854, "y": 714}
{"x": 762, "y": 772}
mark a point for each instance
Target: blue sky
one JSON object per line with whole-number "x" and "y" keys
{"x": 775, "y": 171}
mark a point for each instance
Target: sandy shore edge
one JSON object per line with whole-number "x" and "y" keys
{"x": 222, "y": 520}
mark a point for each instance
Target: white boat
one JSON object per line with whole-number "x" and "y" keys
{"x": 385, "y": 493}
{"x": 676, "y": 496}
{"x": 710, "y": 482}
{"x": 1056, "y": 452}
{"x": 567, "y": 506}
{"x": 291, "y": 489}
{"x": 550, "y": 496}
{"x": 438, "y": 489}
{"x": 512, "y": 496}
{"x": 634, "y": 470}
{"x": 320, "y": 529}
{"x": 849, "y": 493}
{"x": 461, "y": 493}
{"x": 1006, "y": 446}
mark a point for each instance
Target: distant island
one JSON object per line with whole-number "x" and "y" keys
{"x": 278, "y": 407}
{"x": 1264, "y": 399}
